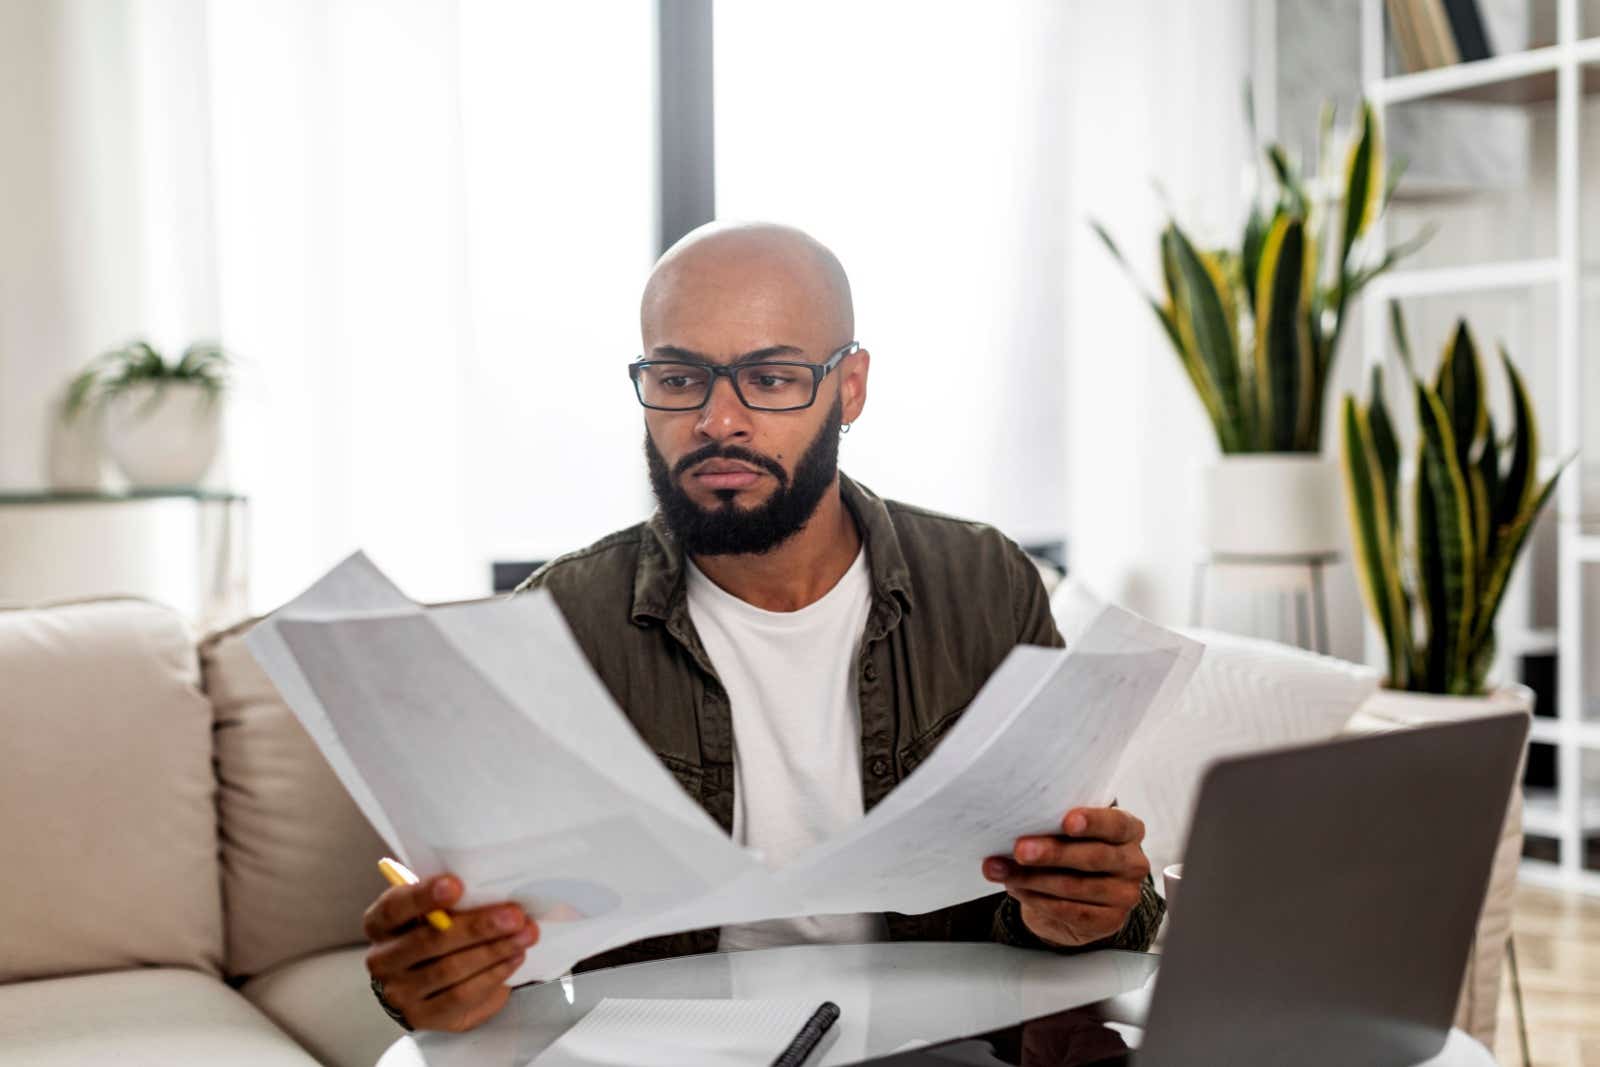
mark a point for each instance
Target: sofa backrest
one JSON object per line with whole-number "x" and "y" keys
{"x": 107, "y": 794}
{"x": 299, "y": 860}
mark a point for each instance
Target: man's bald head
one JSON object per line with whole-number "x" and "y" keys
{"x": 765, "y": 275}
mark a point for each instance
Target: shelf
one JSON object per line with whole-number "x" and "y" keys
{"x": 1553, "y": 876}
{"x": 1519, "y": 79}
{"x": 1545, "y": 730}
{"x": 1541, "y": 813}
{"x": 1543, "y": 641}
{"x": 1588, "y": 547}
{"x": 1514, "y": 274}
{"x": 59, "y": 496}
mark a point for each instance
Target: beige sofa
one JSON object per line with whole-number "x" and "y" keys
{"x": 183, "y": 876}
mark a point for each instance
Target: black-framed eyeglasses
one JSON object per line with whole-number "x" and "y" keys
{"x": 769, "y": 385}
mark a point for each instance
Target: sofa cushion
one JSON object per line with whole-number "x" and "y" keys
{"x": 108, "y": 793}
{"x": 299, "y": 860}
{"x": 325, "y": 1001}
{"x": 152, "y": 1017}
{"x": 1245, "y": 694}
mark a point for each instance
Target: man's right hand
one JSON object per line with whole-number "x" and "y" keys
{"x": 444, "y": 979}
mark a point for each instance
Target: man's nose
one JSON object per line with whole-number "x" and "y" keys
{"x": 724, "y": 417}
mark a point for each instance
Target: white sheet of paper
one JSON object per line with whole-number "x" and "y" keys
{"x": 478, "y": 740}
{"x": 625, "y": 1032}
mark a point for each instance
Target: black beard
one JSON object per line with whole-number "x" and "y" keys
{"x": 727, "y": 530}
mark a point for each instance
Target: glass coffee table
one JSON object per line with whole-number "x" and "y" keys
{"x": 997, "y": 1005}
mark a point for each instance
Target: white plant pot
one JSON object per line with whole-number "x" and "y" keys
{"x": 1271, "y": 504}
{"x": 1396, "y": 707}
{"x": 163, "y": 439}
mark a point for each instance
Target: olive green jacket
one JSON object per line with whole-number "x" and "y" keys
{"x": 949, "y": 599}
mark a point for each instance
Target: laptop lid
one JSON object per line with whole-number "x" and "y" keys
{"x": 1330, "y": 896}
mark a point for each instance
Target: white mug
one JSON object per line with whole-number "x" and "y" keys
{"x": 1170, "y": 877}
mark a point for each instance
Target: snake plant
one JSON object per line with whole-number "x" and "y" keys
{"x": 1256, "y": 330}
{"x": 1473, "y": 502}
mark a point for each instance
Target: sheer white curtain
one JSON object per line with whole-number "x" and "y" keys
{"x": 432, "y": 220}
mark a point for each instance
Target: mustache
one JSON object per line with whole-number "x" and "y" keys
{"x": 733, "y": 452}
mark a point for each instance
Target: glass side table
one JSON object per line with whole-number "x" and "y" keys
{"x": 186, "y": 548}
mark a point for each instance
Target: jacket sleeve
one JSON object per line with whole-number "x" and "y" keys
{"x": 1136, "y": 935}
{"x": 1030, "y": 604}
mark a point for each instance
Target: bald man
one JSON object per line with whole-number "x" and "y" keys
{"x": 789, "y": 644}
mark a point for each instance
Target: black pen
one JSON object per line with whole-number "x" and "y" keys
{"x": 809, "y": 1035}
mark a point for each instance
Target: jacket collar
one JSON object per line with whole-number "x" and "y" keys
{"x": 658, "y": 581}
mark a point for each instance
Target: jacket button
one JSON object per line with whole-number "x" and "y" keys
{"x": 880, "y": 766}
{"x": 870, "y": 671}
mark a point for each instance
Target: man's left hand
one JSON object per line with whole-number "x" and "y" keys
{"x": 1079, "y": 886}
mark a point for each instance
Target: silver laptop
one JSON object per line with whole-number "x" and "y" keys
{"x": 1330, "y": 896}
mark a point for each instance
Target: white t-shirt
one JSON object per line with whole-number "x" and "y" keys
{"x": 791, "y": 682}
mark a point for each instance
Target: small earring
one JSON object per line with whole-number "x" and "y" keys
{"x": 845, "y": 428}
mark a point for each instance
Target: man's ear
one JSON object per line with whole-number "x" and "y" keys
{"x": 853, "y": 384}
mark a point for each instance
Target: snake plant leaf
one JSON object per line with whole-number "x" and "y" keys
{"x": 1166, "y": 314}
{"x": 1459, "y": 387}
{"x": 1293, "y": 197}
{"x": 1434, "y": 665}
{"x": 1385, "y": 446}
{"x": 1363, "y": 182}
{"x": 1486, "y": 488}
{"x": 1512, "y": 539}
{"x": 1203, "y": 322}
{"x": 1283, "y": 355}
{"x": 1519, "y": 481}
{"x": 1451, "y": 606}
{"x": 1377, "y": 566}
{"x": 1255, "y": 236}
{"x": 1402, "y": 340}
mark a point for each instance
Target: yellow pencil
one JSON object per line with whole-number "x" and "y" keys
{"x": 399, "y": 874}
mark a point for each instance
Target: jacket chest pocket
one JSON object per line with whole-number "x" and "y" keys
{"x": 920, "y": 747}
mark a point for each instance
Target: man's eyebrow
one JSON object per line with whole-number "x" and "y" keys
{"x": 770, "y": 352}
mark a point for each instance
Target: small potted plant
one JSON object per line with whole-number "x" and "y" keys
{"x": 1473, "y": 498}
{"x": 1256, "y": 330}
{"x": 161, "y": 420}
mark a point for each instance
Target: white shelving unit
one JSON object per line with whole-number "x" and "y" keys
{"x": 1560, "y": 73}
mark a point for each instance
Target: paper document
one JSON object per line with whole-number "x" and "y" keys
{"x": 625, "y": 1032}
{"x": 477, "y": 739}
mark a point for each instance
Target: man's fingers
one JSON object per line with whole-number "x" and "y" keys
{"x": 1094, "y": 856}
{"x": 1103, "y": 824}
{"x": 401, "y": 905}
{"x": 466, "y": 1004}
{"x": 422, "y": 942}
{"x": 457, "y": 967}
{"x": 1082, "y": 889}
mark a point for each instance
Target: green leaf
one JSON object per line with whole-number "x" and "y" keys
{"x": 1459, "y": 387}
{"x": 1386, "y": 448}
{"x": 1204, "y": 387}
{"x": 1203, "y": 322}
{"x": 1363, "y": 176}
{"x": 1512, "y": 539}
{"x": 1372, "y": 534}
{"x": 1454, "y": 603}
{"x": 1255, "y": 236}
{"x": 1283, "y": 369}
{"x": 1485, "y": 495}
{"x": 1292, "y": 191}
{"x": 1518, "y": 484}
{"x": 1402, "y": 341}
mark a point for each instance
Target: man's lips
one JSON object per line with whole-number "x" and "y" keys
{"x": 725, "y": 476}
